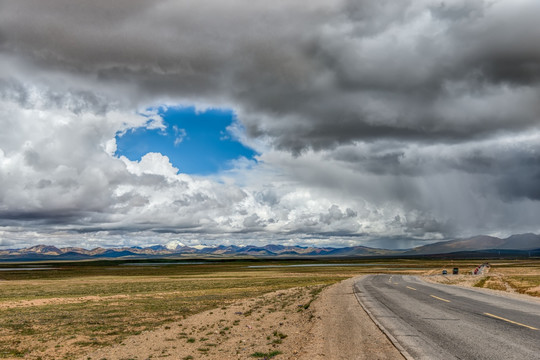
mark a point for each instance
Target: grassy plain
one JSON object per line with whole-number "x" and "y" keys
{"x": 70, "y": 309}
{"x": 517, "y": 276}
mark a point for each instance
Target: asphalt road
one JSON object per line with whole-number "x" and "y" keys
{"x": 435, "y": 321}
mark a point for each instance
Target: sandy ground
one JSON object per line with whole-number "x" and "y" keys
{"x": 291, "y": 324}
{"x": 56, "y": 301}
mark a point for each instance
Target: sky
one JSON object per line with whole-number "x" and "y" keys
{"x": 195, "y": 142}
{"x": 389, "y": 123}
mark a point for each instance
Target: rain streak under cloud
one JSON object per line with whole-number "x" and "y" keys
{"x": 351, "y": 122}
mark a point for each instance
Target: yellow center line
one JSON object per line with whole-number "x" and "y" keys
{"x": 396, "y": 284}
{"x": 510, "y": 321}
{"x": 438, "y": 298}
{"x": 408, "y": 287}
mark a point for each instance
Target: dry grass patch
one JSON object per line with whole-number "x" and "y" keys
{"x": 246, "y": 327}
{"x": 67, "y": 317}
{"x": 522, "y": 276}
{"x": 495, "y": 282}
{"x": 525, "y": 284}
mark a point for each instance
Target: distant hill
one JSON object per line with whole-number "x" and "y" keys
{"x": 481, "y": 245}
{"x": 521, "y": 242}
{"x": 477, "y": 243}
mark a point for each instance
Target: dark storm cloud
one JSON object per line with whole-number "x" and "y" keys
{"x": 51, "y": 217}
{"x": 74, "y": 100}
{"x": 305, "y": 76}
{"x": 505, "y": 157}
{"x": 402, "y": 118}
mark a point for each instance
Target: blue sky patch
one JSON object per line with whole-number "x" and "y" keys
{"x": 195, "y": 142}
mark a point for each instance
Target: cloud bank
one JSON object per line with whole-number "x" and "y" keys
{"x": 392, "y": 120}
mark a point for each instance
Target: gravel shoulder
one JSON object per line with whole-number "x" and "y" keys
{"x": 298, "y": 323}
{"x": 344, "y": 330}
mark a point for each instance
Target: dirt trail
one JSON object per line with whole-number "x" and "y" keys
{"x": 285, "y": 324}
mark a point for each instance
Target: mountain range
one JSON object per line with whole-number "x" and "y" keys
{"x": 523, "y": 242}
{"x": 478, "y": 244}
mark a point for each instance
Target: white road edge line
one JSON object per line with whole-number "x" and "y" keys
{"x": 392, "y": 339}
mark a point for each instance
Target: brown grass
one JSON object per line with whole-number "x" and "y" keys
{"x": 71, "y": 310}
{"x": 522, "y": 276}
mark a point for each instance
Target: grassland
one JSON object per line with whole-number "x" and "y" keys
{"x": 73, "y": 308}
{"x": 518, "y": 276}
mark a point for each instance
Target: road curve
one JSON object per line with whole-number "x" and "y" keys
{"x": 435, "y": 321}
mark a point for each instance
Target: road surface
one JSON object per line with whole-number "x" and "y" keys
{"x": 435, "y": 321}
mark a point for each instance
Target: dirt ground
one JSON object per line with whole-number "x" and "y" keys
{"x": 299, "y": 323}
{"x": 344, "y": 330}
